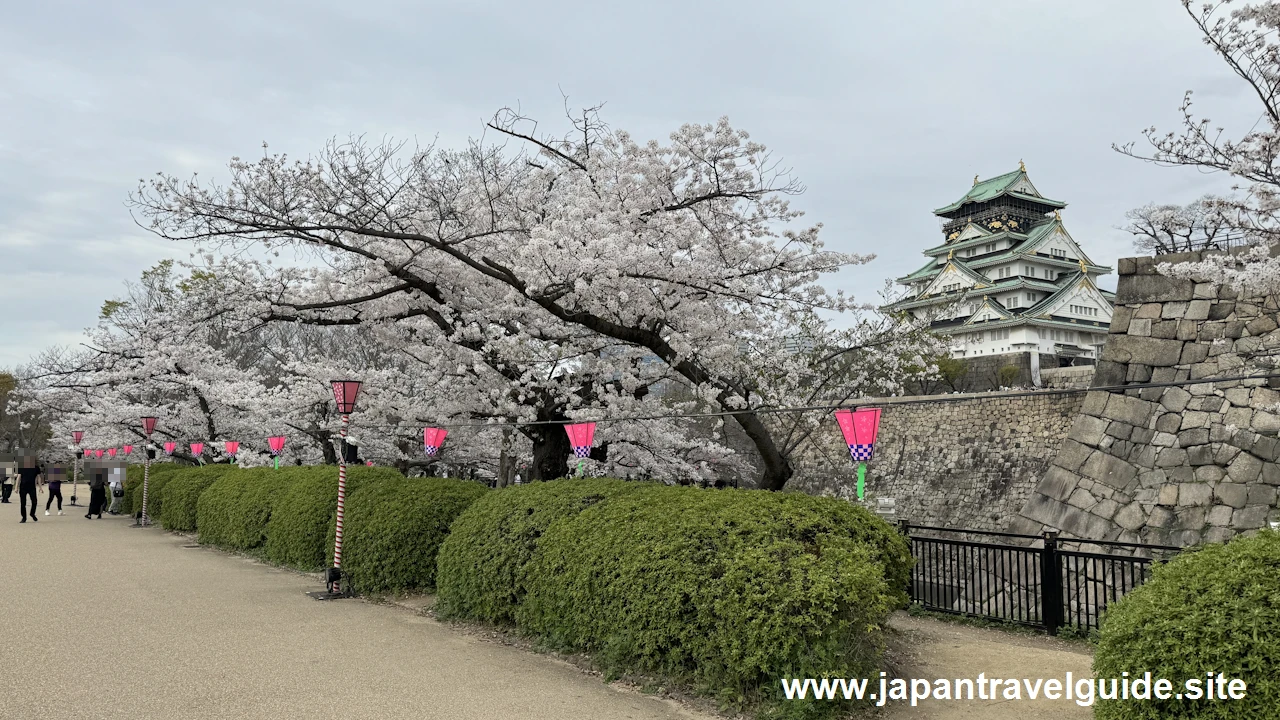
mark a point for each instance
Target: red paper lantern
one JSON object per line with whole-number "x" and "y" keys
{"x": 149, "y": 425}
{"x": 232, "y": 447}
{"x": 77, "y": 436}
{"x": 111, "y": 452}
{"x": 860, "y": 428}
{"x": 197, "y": 449}
{"x": 432, "y": 439}
{"x": 128, "y": 449}
{"x": 170, "y": 446}
{"x": 580, "y": 436}
{"x": 344, "y": 393}
{"x": 276, "y": 444}
{"x": 97, "y": 454}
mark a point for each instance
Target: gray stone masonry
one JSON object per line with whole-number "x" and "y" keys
{"x": 1176, "y": 465}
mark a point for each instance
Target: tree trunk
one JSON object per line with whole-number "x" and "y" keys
{"x": 551, "y": 449}
{"x": 506, "y": 463}
{"x": 777, "y": 468}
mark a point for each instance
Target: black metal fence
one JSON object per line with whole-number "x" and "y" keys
{"x": 1042, "y": 581}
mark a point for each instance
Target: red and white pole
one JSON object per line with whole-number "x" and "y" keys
{"x": 146, "y": 477}
{"x": 342, "y": 500}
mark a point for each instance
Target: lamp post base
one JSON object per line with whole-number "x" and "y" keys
{"x": 326, "y": 595}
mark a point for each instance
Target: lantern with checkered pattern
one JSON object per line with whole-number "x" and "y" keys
{"x": 580, "y": 436}
{"x": 432, "y": 439}
{"x": 859, "y": 428}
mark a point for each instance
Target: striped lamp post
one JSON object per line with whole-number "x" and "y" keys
{"x": 78, "y": 437}
{"x": 344, "y": 393}
{"x": 148, "y": 427}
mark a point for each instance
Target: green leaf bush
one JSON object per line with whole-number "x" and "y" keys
{"x": 483, "y": 565}
{"x": 393, "y": 529}
{"x": 234, "y": 511}
{"x": 1213, "y": 609}
{"x": 304, "y": 512}
{"x": 181, "y": 493}
{"x": 131, "y": 503}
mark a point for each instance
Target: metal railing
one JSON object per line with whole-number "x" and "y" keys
{"x": 1029, "y": 580}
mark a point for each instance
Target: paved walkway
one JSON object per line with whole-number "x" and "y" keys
{"x": 98, "y": 620}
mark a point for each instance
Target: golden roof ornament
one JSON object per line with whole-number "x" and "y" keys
{"x": 951, "y": 254}
{"x": 1022, "y": 166}
{"x": 1057, "y": 215}
{"x": 975, "y": 180}
{"x": 1083, "y": 269}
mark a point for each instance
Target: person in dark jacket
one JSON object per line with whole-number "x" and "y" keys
{"x": 29, "y": 470}
{"x": 54, "y": 479}
{"x": 97, "y": 492}
{"x": 8, "y": 468}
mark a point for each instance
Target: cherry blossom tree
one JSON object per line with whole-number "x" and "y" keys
{"x": 590, "y": 254}
{"x": 1244, "y": 36}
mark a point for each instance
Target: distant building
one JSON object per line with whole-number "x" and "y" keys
{"x": 1008, "y": 278}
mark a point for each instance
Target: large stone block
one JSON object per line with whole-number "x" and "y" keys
{"x": 1172, "y": 457}
{"x": 1072, "y": 455}
{"x": 1191, "y": 518}
{"x": 1130, "y": 517}
{"x": 1143, "y": 350}
{"x": 1233, "y": 494}
{"x": 1245, "y": 468}
{"x": 1154, "y": 289}
{"x": 1140, "y": 327}
{"x": 1088, "y": 430}
{"x": 1131, "y": 410}
{"x": 1194, "y": 494}
{"x": 1120, "y": 318}
{"x": 1250, "y": 518}
{"x": 1168, "y": 495}
{"x": 1261, "y": 495}
{"x": 1109, "y": 374}
{"x": 1191, "y": 438}
{"x": 1193, "y": 352}
{"x": 1057, "y": 484}
{"x": 1197, "y": 310}
{"x": 1110, "y": 470}
{"x": 1261, "y": 325}
{"x": 1209, "y": 474}
{"x": 1219, "y": 515}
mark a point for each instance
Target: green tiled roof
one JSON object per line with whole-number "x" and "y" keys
{"x": 995, "y": 187}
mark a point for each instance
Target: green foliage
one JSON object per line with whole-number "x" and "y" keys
{"x": 393, "y": 529}
{"x": 483, "y": 563}
{"x": 952, "y": 371}
{"x": 234, "y": 511}
{"x": 305, "y": 509}
{"x": 1214, "y": 609}
{"x": 132, "y": 501}
{"x": 181, "y": 492}
{"x": 1008, "y": 375}
{"x": 730, "y": 590}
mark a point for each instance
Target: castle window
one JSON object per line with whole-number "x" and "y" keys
{"x": 1058, "y": 253}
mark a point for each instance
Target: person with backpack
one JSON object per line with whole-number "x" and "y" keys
{"x": 97, "y": 492}
{"x": 29, "y": 470}
{"x": 117, "y": 489}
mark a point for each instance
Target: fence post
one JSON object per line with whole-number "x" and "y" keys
{"x": 1050, "y": 584}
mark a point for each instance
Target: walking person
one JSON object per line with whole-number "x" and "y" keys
{"x": 53, "y": 479}
{"x": 97, "y": 492}
{"x": 8, "y": 468}
{"x": 29, "y": 470}
{"x": 117, "y": 489}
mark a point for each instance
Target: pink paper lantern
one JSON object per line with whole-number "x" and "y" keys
{"x": 170, "y": 446}
{"x": 344, "y": 393}
{"x": 232, "y": 447}
{"x": 197, "y": 449}
{"x": 276, "y": 444}
{"x": 149, "y": 425}
{"x": 128, "y": 449}
{"x": 97, "y": 453}
{"x": 77, "y": 436}
{"x": 432, "y": 439}
{"x": 860, "y": 428}
{"x": 580, "y": 436}
{"x": 111, "y": 452}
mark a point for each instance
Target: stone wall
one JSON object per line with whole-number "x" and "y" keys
{"x": 1171, "y": 465}
{"x": 970, "y": 462}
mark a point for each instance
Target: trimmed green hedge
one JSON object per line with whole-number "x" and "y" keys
{"x": 181, "y": 493}
{"x": 304, "y": 512}
{"x": 1213, "y": 609}
{"x": 729, "y": 590}
{"x": 234, "y": 511}
{"x": 483, "y": 563}
{"x": 161, "y": 472}
{"x": 393, "y": 529}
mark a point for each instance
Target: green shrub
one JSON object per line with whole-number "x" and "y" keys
{"x": 393, "y": 530}
{"x": 182, "y": 491}
{"x": 483, "y": 563}
{"x": 304, "y": 511}
{"x": 730, "y": 590}
{"x": 1213, "y": 609}
{"x": 234, "y": 511}
{"x": 131, "y": 503}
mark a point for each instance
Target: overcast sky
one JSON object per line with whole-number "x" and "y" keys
{"x": 884, "y": 110}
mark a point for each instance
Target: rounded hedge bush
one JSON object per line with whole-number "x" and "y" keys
{"x": 729, "y": 589}
{"x": 182, "y": 491}
{"x": 131, "y": 503}
{"x": 393, "y": 530}
{"x": 1212, "y": 609}
{"x": 304, "y": 511}
{"x": 234, "y": 511}
{"x": 483, "y": 563}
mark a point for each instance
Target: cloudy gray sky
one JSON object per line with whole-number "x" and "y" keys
{"x": 884, "y": 110}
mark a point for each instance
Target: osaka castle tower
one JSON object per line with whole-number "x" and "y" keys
{"x": 1009, "y": 278}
